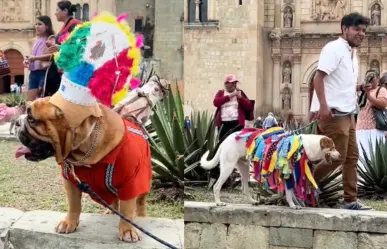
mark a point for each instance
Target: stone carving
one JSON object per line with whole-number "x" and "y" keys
{"x": 288, "y": 17}
{"x": 375, "y": 65}
{"x": 375, "y": 15}
{"x": 328, "y": 9}
{"x": 286, "y": 98}
{"x": 11, "y": 10}
{"x": 38, "y": 8}
{"x": 275, "y": 35}
{"x": 276, "y": 57}
{"x": 287, "y": 72}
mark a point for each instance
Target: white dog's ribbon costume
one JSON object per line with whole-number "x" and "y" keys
{"x": 279, "y": 159}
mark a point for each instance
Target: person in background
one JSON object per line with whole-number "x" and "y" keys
{"x": 376, "y": 97}
{"x": 291, "y": 123}
{"x": 187, "y": 123}
{"x": 35, "y": 62}
{"x": 64, "y": 13}
{"x": 258, "y": 123}
{"x": 270, "y": 121}
{"x": 231, "y": 107}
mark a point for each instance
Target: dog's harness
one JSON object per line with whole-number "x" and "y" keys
{"x": 68, "y": 166}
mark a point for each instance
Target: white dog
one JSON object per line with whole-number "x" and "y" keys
{"x": 232, "y": 153}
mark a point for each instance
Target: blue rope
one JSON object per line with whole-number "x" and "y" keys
{"x": 84, "y": 187}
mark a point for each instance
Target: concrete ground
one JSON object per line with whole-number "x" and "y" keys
{"x": 4, "y": 132}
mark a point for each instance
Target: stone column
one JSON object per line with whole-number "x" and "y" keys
{"x": 363, "y": 66}
{"x": 185, "y": 10}
{"x": 276, "y": 81}
{"x": 211, "y": 10}
{"x": 297, "y": 15}
{"x": 296, "y": 84}
{"x": 197, "y": 9}
{"x": 277, "y": 14}
{"x": 383, "y": 65}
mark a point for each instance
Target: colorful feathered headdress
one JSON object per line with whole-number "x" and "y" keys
{"x": 99, "y": 59}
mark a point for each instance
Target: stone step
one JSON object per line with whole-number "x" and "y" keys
{"x": 35, "y": 229}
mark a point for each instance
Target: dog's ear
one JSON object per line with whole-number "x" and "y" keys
{"x": 59, "y": 113}
{"x": 326, "y": 143}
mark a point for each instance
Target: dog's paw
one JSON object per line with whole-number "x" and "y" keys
{"x": 296, "y": 207}
{"x": 255, "y": 203}
{"x": 221, "y": 204}
{"x": 128, "y": 233}
{"x": 107, "y": 211}
{"x": 67, "y": 226}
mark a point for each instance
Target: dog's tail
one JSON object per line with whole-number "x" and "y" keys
{"x": 213, "y": 162}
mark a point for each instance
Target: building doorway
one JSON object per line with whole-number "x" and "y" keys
{"x": 15, "y": 62}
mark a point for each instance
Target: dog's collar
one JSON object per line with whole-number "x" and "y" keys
{"x": 90, "y": 150}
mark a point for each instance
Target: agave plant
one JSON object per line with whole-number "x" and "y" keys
{"x": 372, "y": 182}
{"x": 199, "y": 138}
{"x": 12, "y": 100}
{"x": 175, "y": 151}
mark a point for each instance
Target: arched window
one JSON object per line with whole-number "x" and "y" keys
{"x": 78, "y": 13}
{"x": 85, "y": 12}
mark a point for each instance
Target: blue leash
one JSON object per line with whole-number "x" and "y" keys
{"x": 84, "y": 187}
{"x": 296, "y": 131}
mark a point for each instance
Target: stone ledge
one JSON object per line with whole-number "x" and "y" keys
{"x": 35, "y": 229}
{"x": 274, "y": 216}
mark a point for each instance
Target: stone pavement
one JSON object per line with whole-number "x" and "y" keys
{"x": 4, "y": 133}
{"x": 35, "y": 229}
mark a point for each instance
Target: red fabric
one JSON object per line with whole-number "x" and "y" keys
{"x": 132, "y": 169}
{"x": 244, "y": 105}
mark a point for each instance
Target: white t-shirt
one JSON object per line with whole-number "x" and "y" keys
{"x": 229, "y": 110}
{"x": 339, "y": 61}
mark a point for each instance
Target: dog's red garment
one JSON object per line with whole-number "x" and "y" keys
{"x": 124, "y": 172}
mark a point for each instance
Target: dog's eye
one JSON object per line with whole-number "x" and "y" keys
{"x": 31, "y": 120}
{"x": 157, "y": 89}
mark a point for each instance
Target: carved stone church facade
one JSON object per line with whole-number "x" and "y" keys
{"x": 272, "y": 47}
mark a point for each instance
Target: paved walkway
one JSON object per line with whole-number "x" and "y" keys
{"x": 4, "y": 132}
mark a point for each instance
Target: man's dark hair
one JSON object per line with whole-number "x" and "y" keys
{"x": 354, "y": 19}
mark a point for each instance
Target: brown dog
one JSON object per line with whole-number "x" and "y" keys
{"x": 113, "y": 156}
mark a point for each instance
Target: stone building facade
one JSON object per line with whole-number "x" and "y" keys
{"x": 162, "y": 25}
{"x": 272, "y": 46}
{"x": 160, "y": 21}
{"x": 17, "y": 29}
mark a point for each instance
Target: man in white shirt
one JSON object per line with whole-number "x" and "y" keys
{"x": 335, "y": 85}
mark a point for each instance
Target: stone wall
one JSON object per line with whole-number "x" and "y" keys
{"x": 168, "y": 38}
{"x": 235, "y": 46}
{"x": 272, "y": 227}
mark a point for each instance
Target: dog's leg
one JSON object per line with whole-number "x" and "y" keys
{"x": 71, "y": 221}
{"x": 244, "y": 170}
{"x": 114, "y": 205}
{"x": 141, "y": 205}
{"x": 289, "y": 199}
{"x": 226, "y": 169}
{"x": 127, "y": 232}
{"x": 296, "y": 200}
{"x": 11, "y": 127}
